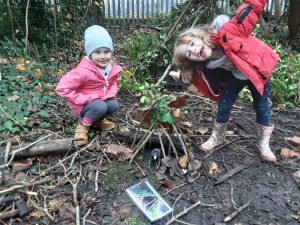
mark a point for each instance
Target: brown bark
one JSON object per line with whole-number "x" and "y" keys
{"x": 41, "y": 148}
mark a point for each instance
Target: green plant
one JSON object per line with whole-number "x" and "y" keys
{"x": 285, "y": 78}
{"x": 133, "y": 220}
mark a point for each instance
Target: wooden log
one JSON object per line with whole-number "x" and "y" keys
{"x": 45, "y": 147}
{"x": 153, "y": 142}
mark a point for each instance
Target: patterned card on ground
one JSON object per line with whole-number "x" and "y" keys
{"x": 149, "y": 201}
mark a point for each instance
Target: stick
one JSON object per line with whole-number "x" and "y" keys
{"x": 231, "y": 173}
{"x": 174, "y": 218}
{"x": 237, "y": 212}
{"x": 9, "y": 214}
{"x": 13, "y": 188}
{"x": 218, "y": 148}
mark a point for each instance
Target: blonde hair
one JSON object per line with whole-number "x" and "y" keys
{"x": 186, "y": 66}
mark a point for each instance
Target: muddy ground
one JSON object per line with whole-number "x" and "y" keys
{"x": 100, "y": 183}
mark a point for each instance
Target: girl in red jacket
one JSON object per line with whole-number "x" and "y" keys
{"x": 92, "y": 86}
{"x": 220, "y": 60}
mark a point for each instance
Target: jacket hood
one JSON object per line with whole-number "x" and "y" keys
{"x": 90, "y": 65}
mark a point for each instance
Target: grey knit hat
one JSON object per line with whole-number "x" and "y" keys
{"x": 96, "y": 37}
{"x": 219, "y": 21}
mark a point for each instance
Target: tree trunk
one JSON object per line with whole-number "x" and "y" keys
{"x": 294, "y": 19}
{"x": 277, "y": 9}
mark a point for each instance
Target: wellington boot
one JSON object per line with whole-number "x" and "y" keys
{"x": 216, "y": 137}
{"x": 264, "y": 134}
{"x": 104, "y": 124}
{"x": 81, "y": 135}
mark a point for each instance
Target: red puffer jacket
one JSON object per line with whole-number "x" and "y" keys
{"x": 251, "y": 56}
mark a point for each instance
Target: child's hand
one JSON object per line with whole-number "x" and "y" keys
{"x": 175, "y": 75}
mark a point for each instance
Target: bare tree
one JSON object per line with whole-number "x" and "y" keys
{"x": 294, "y": 19}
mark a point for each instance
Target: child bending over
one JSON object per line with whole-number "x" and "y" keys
{"x": 220, "y": 60}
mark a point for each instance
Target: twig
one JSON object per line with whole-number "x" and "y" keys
{"x": 96, "y": 181}
{"x": 141, "y": 146}
{"x": 13, "y": 188}
{"x": 84, "y": 218}
{"x": 99, "y": 146}
{"x": 171, "y": 142}
{"x": 231, "y": 173}
{"x": 164, "y": 75}
{"x": 219, "y": 147}
{"x": 162, "y": 145}
{"x": 140, "y": 168}
{"x": 237, "y": 212}
{"x": 180, "y": 139}
{"x": 31, "y": 144}
{"x": 174, "y": 218}
{"x": 171, "y": 32}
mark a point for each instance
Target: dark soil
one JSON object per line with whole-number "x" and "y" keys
{"x": 274, "y": 194}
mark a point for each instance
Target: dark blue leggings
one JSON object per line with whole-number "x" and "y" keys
{"x": 97, "y": 109}
{"x": 232, "y": 87}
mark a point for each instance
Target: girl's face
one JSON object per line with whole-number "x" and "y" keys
{"x": 194, "y": 49}
{"x": 101, "y": 57}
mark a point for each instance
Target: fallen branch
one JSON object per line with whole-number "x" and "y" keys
{"x": 9, "y": 214}
{"x": 219, "y": 147}
{"x": 231, "y": 173}
{"x": 13, "y": 188}
{"x": 237, "y": 212}
{"x": 174, "y": 218}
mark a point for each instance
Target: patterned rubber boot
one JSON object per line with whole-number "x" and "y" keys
{"x": 216, "y": 137}
{"x": 264, "y": 134}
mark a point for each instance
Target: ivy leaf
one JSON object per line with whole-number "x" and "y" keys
{"x": 166, "y": 117}
{"x": 44, "y": 113}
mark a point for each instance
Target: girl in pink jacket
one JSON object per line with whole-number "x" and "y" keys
{"x": 92, "y": 86}
{"x": 220, "y": 60}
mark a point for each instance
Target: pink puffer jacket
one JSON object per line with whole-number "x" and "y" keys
{"x": 85, "y": 83}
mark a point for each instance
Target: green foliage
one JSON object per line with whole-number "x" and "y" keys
{"x": 162, "y": 112}
{"x": 146, "y": 54}
{"x": 133, "y": 220}
{"x": 26, "y": 98}
{"x": 12, "y": 49}
{"x": 285, "y": 78}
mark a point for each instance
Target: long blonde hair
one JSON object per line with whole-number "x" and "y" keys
{"x": 186, "y": 66}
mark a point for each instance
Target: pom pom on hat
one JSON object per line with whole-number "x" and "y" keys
{"x": 219, "y": 21}
{"x": 96, "y": 37}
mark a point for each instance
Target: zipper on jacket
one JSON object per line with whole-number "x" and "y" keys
{"x": 244, "y": 13}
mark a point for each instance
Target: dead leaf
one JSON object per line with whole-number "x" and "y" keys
{"x": 178, "y": 103}
{"x": 38, "y": 88}
{"x": 187, "y": 124}
{"x": 54, "y": 204}
{"x": 38, "y": 73}
{"x": 20, "y": 176}
{"x": 202, "y": 130}
{"x": 167, "y": 183}
{"x": 295, "y": 140}
{"x": 60, "y": 72}
{"x": 213, "y": 168}
{"x": 13, "y": 98}
{"x": 176, "y": 114}
{"x": 192, "y": 88}
{"x": 114, "y": 150}
{"x": 287, "y": 153}
{"x": 37, "y": 213}
{"x": 183, "y": 161}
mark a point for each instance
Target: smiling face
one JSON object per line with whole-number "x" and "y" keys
{"x": 194, "y": 49}
{"x": 101, "y": 57}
